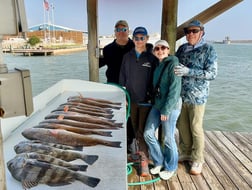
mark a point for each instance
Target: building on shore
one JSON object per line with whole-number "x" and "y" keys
{"x": 49, "y": 35}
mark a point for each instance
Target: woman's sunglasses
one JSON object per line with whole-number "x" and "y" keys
{"x": 162, "y": 48}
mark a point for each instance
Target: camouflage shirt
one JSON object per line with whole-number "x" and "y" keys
{"x": 201, "y": 60}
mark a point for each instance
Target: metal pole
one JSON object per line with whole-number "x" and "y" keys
{"x": 3, "y": 69}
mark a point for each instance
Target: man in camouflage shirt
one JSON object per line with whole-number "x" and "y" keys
{"x": 198, "y": 65}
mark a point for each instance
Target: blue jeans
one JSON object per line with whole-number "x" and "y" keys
{"x": 166, "y": 155}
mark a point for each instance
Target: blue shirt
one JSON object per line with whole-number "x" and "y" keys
{"x": 201, "y": 60}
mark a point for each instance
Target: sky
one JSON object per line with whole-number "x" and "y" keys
{"x": 235, "y": 23}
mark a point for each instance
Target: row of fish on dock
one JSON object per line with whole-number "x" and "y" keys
{"x": 45, "y": 157}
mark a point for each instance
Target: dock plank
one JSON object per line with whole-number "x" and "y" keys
{"x": 225, "y": 159}
{"x": 238, "y": 160}
{"x": 241, "y": 143}
{"x": 227, "y": 166}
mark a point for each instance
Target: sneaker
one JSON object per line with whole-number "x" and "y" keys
{"x": 155, "y": 170}
{"x": 196, "y": 168}
{"x": 183, "y": 158}
{"x": 165, "y": 175}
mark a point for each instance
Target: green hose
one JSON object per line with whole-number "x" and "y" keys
{"x": 129, "y": 165}
{"x": 127, "y": 97}
{"x": 129, "y": 171}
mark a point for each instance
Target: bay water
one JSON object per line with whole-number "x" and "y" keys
{"x": 229, "y": 104}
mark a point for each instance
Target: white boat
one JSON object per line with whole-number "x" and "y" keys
{"x": 111, "y": 164}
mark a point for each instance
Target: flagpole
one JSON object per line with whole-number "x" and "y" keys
{"x": 44, "y": 22}
{"x": 48, "y": 23}
{"x": 52, "y": 6}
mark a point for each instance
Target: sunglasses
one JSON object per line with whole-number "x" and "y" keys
{"x": 194, "y": 31}
{"x": 142, "y": 38}
{"x": 121, "y": 29}
{"x": 162, "y": 48}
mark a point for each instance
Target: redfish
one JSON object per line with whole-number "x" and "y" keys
{"x": 82, "y": 118}
{"x": 66, "y": 137}
{"x": 94, "y": 99}
{"x": 55, "y": 152}
{"x": 83, "y": 106}
{"x": 92, "y": 102}
{"x": 52, "y": 160}
{"x": 74, "y": 123}
{"x": 73, "y": 109}
{"x": 74, "y": 129}
{"x": 31, "y": 172}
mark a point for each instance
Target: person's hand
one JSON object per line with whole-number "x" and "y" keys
{"x": 164, "y": 117}
{"x": 181, "y": 70}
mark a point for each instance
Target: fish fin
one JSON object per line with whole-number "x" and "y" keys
{"x": 119, "y": 125}
{"x": 59, "y": 184}
{"x": 60, "y": 117}
{"x": 29, "y": 184}
{"x": 66, "y": 108}
{"x": 90, "y": 159}
{"x": 116, "y": 144}
{"x": 82, "y": 167}
{"x": 106, "y": 133}
{"x": 79, "y": 148}
{"x": 108, "y": 116}
{"x": 115, "y": 107}
{"x": 78, "y": 167}
{"x": 90, "y": 181}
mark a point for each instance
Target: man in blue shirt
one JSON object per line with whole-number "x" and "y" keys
{"x": 198, "y": 67}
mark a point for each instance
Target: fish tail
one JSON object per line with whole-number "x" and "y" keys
{"x": 80, "y": 168}
{"x": 79, "y": 148}
{"x": 119, "y": 125}
{"x": 116, "y": 107}
{"x": 90, "y": 181}
{"x": 106, "y": 133}
{"x": 109, "y": 116}
{"x": 116, "y": 144}
{"x": 90, "y": 159}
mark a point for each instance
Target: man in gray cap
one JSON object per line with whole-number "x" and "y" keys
{"x": 198, "y": 67}
{"x": 113, "y": 53}
{"x": 112, "y": 57}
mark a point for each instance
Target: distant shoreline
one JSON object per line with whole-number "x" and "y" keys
{"x": 70, "y": 50}
{"x": 45, "y": 52}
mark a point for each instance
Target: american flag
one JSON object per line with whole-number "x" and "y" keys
{"x": 46, "y": 5}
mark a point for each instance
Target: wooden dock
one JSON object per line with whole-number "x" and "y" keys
{"x": 228, "y": 165}
{"x": 44, "y": 52}
{"x": 31, "y": 52}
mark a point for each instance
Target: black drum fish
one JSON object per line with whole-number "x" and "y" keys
{"x": 52, "y": 160}
{"x": 66, "y": 155}
{"x": 77, "y": 130}
{"x": 66, "y": 137}
{"x": 60, "y": 146}
{"x": 31, "y": 172}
